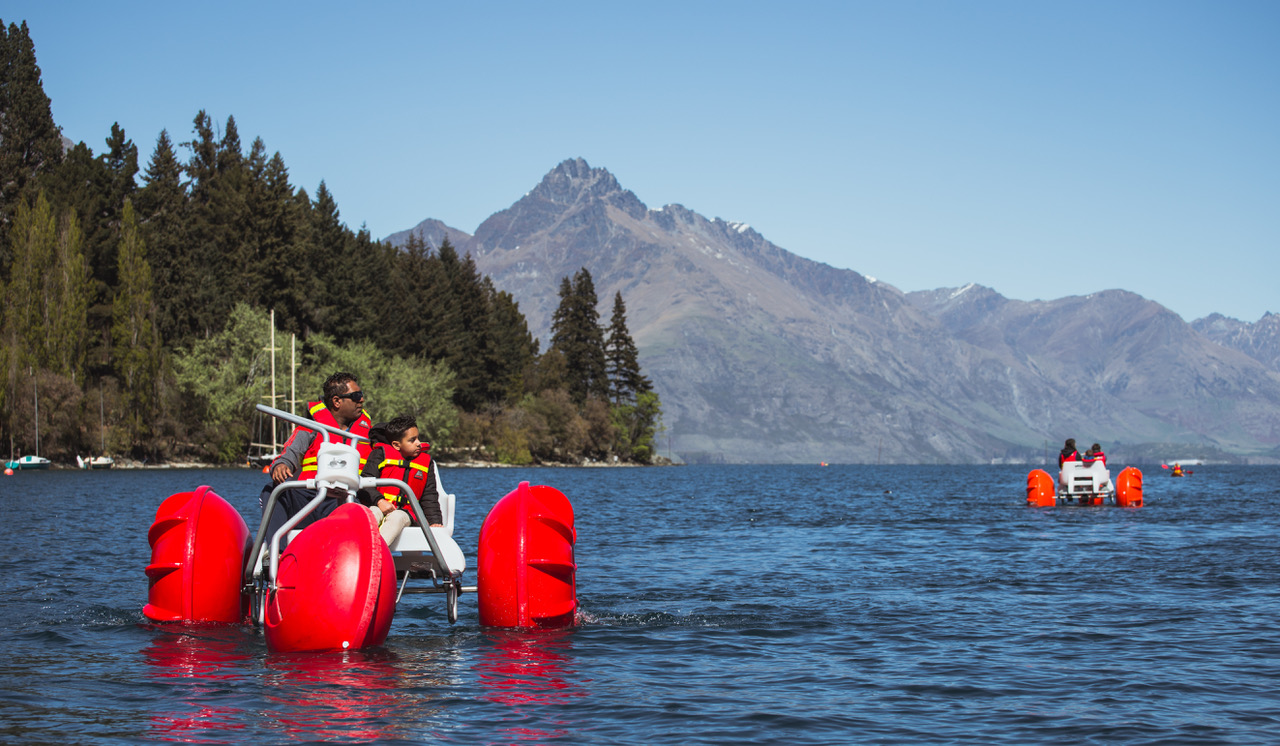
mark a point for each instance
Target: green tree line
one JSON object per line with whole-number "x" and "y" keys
{"x": 139, "y": 301}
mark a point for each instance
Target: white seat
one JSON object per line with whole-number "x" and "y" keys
{"x": 1075, "y": 477}
{"x": 411, "y": 546}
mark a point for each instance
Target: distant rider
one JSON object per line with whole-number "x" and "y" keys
{"x": 1068, "y": 452}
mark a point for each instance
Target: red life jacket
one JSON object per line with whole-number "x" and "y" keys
{"x": 320, "y": 413}
{"x": 413, "y": 473}
{"x": 1089, "y": 458}
{"x": 1073, "y": 456}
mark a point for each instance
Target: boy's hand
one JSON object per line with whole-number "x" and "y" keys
{"x": 386, "y": 506}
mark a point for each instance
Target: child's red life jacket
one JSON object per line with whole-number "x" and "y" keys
{"x": 413, "y": 473}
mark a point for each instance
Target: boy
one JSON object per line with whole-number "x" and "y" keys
{"x": 398, "y": 453}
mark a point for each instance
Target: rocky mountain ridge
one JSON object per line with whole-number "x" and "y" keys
{"x": 1259, "y": 340}
{"x": 761, "y": 355}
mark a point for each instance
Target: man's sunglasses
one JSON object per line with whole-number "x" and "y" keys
{"x": 355, "y": 396}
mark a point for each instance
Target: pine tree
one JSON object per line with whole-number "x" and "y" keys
{"x": 137, "y": 348}
{"x": 233, "y": 248}
{"x": 513, "y": 348}
{"x": 636, "y": 407}
{"x": 121, "y": 160}
{"x": 118, "y": 168}
{"x": 418, "y": 283}
{"x": 33, "y": 236}
{"x": 465, "y": 330}
{"x": 30, "y": 142}
{"x": 625, "y": 379}
{"x": 263, "y": 236}
{"x": 48, "y": 291}
{"x": 196, "y": 312}
{"x": 96, "y": 188}
{"x": 203, "y": 165}
{"x": 216, "y": 227}
{"x": 306, "y": 290}
{"x": 68, "y": 317}
{"x": 576, "y": 333}
{"x": 277, "y": 221}
{"x": 371, "y": 313}
{"x": 330, "y": 261}
{"x": 82, "y": 183}
{"x": 161, "y": 210}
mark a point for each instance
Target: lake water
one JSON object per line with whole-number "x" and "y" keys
{"x": 721, "y": 604}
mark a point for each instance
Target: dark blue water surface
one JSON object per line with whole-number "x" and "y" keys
{"x": 787, "y": 604}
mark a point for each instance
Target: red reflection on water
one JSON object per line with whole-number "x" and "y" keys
{"x": 197, "y": 652}
{"x": 526, "y": 670}
{"x": 349, "y": 695}
{"x": 203, "y": 659}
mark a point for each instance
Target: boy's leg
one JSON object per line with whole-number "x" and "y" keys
{"x": 392, "y": 524}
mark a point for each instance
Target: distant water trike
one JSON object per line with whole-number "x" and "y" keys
{"x": 1080, "y": 484}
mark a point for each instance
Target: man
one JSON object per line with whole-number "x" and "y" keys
{"x": 341, "y": 407}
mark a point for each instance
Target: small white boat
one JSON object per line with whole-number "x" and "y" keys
{"x": 96, "y": 462}
{"x": 28, "y": 462}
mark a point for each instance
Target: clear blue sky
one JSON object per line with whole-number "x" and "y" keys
{"x": 1042, "y": 149}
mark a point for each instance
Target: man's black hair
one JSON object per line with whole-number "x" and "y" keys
{"x": 336, "y": 385}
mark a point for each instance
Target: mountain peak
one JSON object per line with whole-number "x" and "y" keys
{"x": 575, "y": 179}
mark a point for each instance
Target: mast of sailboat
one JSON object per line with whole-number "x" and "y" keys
{"x": 102, "y": 421}
{"x": 274, "y": 448}
{"x": 36, "y": 395}
{"x": 293, "y": 371}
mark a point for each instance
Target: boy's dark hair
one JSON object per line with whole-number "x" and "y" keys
{"x": 396, "y": 427}
{"x": 336, "y": 385}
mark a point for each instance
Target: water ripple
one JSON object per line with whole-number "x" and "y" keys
{"x": 788, "y": 605}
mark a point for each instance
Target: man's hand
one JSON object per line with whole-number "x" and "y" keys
{"x": 281, "y": 472}
{"x": 386, "y": 506}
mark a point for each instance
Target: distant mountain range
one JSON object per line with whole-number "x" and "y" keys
{"x": 760, "y": 355}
